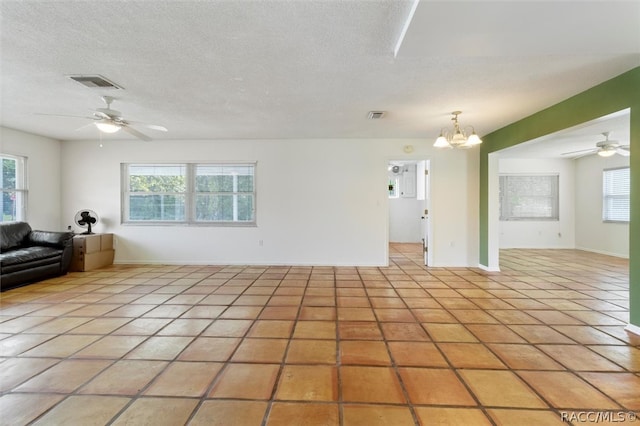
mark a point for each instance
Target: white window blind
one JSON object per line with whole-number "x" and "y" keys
{"x": 615, "y": 195}
{"x": 529, "y": 197}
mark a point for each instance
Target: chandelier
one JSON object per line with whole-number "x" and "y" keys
{"x": 456, "y": 137}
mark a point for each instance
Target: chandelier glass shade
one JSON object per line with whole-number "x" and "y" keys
{"x": 457, "y": 137}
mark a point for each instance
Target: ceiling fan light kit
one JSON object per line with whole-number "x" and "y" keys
{"x": 107, "y": 126}
{"x": 606, "y": 152}
{"x": 605, "y": 148}
{"x": 457, "y": 137}
{"x": 109, "y": 120}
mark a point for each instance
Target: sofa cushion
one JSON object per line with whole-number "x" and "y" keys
{"x": 27, "y": 255}
{"x": 12, "y": 234}
{"x": 49, "y": 238}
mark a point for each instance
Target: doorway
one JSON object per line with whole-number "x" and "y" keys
{"x": 409, "y": 222}
{"x": 582, "y": 209}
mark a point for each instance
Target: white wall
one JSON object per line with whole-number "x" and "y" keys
{"x": 454, "y": 207}
{"x": 320, "y": 202}
{"x": 542, "y": 234}
{"x": 591, "y": 233}
{"x": 405, "y": 210}
{"x": 43, "y": 174}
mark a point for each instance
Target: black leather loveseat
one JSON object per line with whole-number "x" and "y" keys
{"x": 27, "y": 255}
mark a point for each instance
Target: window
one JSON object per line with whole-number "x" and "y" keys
{"x": 528, "y": 197}
{"x": 615, "y": 195}
{"x": 189, "y": 193}
{"x": 224, "y": 193}
{"x": 393, "y": 187}
{"x": 157, "y": 192}
{"x": 14, "y": 188}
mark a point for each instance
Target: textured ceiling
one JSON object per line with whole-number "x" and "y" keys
{"x": 243, "y": 69}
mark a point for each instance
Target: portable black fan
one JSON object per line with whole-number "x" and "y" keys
{"x": 85, "y": 218}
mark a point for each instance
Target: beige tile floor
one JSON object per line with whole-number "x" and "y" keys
{"x": 279, "y": 345}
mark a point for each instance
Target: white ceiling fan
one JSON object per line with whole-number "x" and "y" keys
{"x": 109, "y": 120}
{"x": 605, "y": 148}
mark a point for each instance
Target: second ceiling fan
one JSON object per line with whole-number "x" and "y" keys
{"x": 605, "y": 148}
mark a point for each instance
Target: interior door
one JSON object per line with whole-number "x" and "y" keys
{"x": 422, "y": 193}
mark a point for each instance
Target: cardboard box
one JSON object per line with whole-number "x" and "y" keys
{"x": 88, "y": 243}
{"x": 92, "y": 252}
{"x": 106, "y": 242}
{"x": 98, "y": 260}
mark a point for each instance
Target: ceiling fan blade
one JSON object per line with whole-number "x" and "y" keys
{"x": 136, "y": 133}
{"x": 156, "y": 127}
{"x": 85, "y": 126}
{"x": 623, "y": 151}
{"x": 99, "y": 115}
{"x": 580, "y": 151}
{"x": 149, "y": 126}
{"x": 592, "y": 152}
{"x": 64, "y": 115}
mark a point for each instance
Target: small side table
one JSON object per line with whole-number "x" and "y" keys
{"x": 92, "y": 251}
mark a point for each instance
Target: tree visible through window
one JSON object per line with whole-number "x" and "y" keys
{"x": 157, "y": 192}
{"x": 189, "y": 193}
{"x": 529, "y": 197}
{"x": 224, "y": 193}
{"x": 14, "y": 188}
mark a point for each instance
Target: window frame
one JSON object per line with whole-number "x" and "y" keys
{"x": 190, "y": 195}
{"x": 21, "y": 187}
{"x": 606, "y": 196}
{"x": 555, "y": 217}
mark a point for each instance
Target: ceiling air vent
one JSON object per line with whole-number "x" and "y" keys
{"x": 94, "y": 81}
{"x": 375, "y": 115}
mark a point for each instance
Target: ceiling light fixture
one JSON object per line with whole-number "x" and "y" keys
{"x": 107, "y": 126}
{"x": 607, "y": 151}
{"x": 456, "y": 137}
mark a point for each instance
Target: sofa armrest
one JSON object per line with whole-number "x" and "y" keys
{"x": 50, "y": 239}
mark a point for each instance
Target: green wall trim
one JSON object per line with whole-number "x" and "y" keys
{"x": 613, "y": 95}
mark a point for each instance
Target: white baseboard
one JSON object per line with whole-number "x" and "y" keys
{"x": 606, "y": 253}
{"x": 489, "y": 268}
{"x": 246, "y": 263}
{"x": 633, "y": 329}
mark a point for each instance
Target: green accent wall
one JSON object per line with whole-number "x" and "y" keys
{"x": 614, "y": 95}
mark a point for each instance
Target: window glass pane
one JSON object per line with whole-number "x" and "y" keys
{"x": 157, "y": 178}
{"x": 13, "y": 184}
{"x": 9, "y": 173}
{"x": 245, "y": 183}
{"x": 214, "y": 183}
{"x": 224, "y": 178}
{"x": 9, "y": 206}
{"x": 157, "y": 207}
{"x": 214, "y": 208}
{"x": 393, "y": 188}
{"x": 615, "y": 190}
{"x": 245, "y": 208}
{"x": 224, "y": 208}
{"x": 528, "y": 197}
